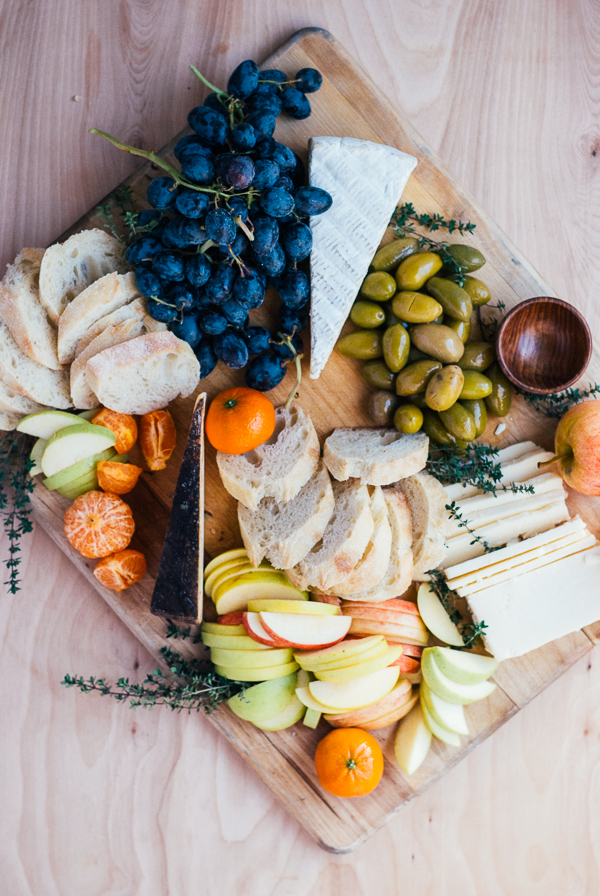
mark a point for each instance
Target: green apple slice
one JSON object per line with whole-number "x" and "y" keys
{"x": 36, "y": 457}
{"x": 79, "y": 470}
{"x": 89, "y": 415}
{"x": 44, "y": 424}
{"x": 218, "y": 571}
{"x": 306, "y": 608}
{"x": 293, "y": 712}
{"x": 251, "y": 659}
{"x": 450, "y": 690}
{"x": 235, "y": 554}
{"x": 232, "y": 642}
{"x": 72, "y": 444}
{"x": 435, "y": 617}
{"x": 413, "y": 740}
{"x": 464, "y": 668}
{"x": 448, "y": 737}
{"x": 348, "y": 695}
{"x": 377, "y": 649}
{"x": 342, "y": 652}
{"x": 216, "y": 628}
{"x": 305, "y": 696}
{"x": 312, "y": 718}
{"x": 450, "y": 716}
{"x": 304, "y": 678}
{"x": 367, "y": 667}
{"x": 231, "y": 572}
{"x": 234, "y": 594}
{"x": 237, "y": 674}
{"x": 264, "y": 701}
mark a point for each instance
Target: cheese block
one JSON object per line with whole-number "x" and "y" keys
{"x": 366, "y": 181}
{"x": 533, "y": 609}
{"x": 513, "y": 470}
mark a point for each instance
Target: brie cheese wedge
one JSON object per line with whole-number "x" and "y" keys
{"x": 366, "y": 181}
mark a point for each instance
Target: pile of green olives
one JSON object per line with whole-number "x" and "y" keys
{"x": 414, "y": 325}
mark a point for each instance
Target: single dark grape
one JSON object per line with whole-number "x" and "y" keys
{"x": 197, "y": 168}
{"x": 213, "y": 101}
{"x": 294, "y": 289}
{"x": 197, "y": 270}
{"x": 149, "y": 216}
{"x": 266, "y": 173}
{"x": 182, "y": 296}
{"x": 249, "y": 289}
{"x": 192, "y": 203}
{"x": 213, "y": 323}
{"x": 162, "y": 311}
{"x": 207, "y": 358}
{"x": 292, "y": 319}
{"x": 192, "y": 143}
{"x": 264, "y": 372}
{"x": 276, "y": 203}
{"x": 295, "y": 103}
{"x": 181, "y": 232}
{"x": 297, "y": 241}
{"x": 284, "y": 183}
{"x": 162, "y": 192}
{"x": 264, "y": 102}
{"x": 273, "y": 263}
{"x": 298, "y": 174}
{"x": 284, "y": 352}
{"x": 210, "y": 125}
{"x": 235, "y": 312}
{"x": 273, "y": 77}
{"x": 281, "y": 154}
{"x": 243, "y": 79}
{"x": 263, "y": 123}
{"x": 188, "y": 329}
{"x": 237, "y": 247}
{"x": 311, "y": 201}
{"x": 288, "y": 219}
{"x": 222, "y": 160}
{"x": 231, "y": 349}
{"x": 149, "y": 283}
{"x": 220, "y": 226}
{"x": 266, "y": 235}
{"x": 169, "y": 266}
{"x": 238, "y": 207}
{"x": 142, "y": 251}
{"x": 257, "y": 339}
{"x": 220, "y": 283}
{"x": 203, "y": 303}
{"x": 243, "y": 137}
{"x": 308, "y": 80}
{"x": 239, "y": 172}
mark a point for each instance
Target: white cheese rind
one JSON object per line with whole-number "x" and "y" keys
{"x": 366, "y": 181}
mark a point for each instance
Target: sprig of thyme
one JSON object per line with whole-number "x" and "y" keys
{"x": 405, "y": 220}
{"x": 558, "y": 404}
{"x": 475, "y": 465}
{"x": 469, "y": 631}
{"x": 16, "y": 486}
{"x": 179, "y": 633}
{"x": 455, "y": 513}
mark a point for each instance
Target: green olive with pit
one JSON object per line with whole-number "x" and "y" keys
{"x": 389, "y": 257}
{"x": 416, "y": 270}
{"x": 477, "y": 356}
{"x": 378, "y": 375}
{"x": 396, "y": 345}
{"x": 437, "y": 432}
{"x": 368, "y": 315}
{"x": 459, "y": 422}
{"x": 363, "y": 344}
{"x": 478, "y": 291}
{"x": 476, "y": 407}
{"x": 438, "y": 341}
{"x": 499, "y": 400}
{"x": 466, "y": 257}
{"x": 416, "y": 308}
{"x": 444, "y": 387}
{"x": 408, "y": 418}
{"x": 378, "y": 286}
{"x": 462, "y": 328}
{"x": 476, "y": 385}
{"x": 454, "y": 300}
{"x": 414, "y": 378}
{"x": 381, "y": 407}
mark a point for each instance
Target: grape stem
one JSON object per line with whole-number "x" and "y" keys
{"x": 207, "y": 83}
{"x": 287, "y": 340}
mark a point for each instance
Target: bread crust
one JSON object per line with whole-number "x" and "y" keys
{"x": 375, "y": 456}
{"x": 23, "y": 313}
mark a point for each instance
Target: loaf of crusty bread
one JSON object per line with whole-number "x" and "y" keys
{"x": 24, "y": 375}
{"x": 427, "y": 499}
{"x": 375, "y": 456}
{"x": 22, "y": 311}
{"x": 371, "y": 568}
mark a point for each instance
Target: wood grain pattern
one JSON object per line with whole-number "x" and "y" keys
{"x": 122, "y": 802}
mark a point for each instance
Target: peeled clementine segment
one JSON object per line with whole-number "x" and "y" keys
{"x": 117, "y": 478}
{"x": 239, "y": 420}
{"x": 123, "y": 426}
{"x": 98, "y": 524}
{"x": 119, "y": 571}
{"x": 157, "y": 438}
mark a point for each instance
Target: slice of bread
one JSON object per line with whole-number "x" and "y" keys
{"x": 133, "y": 310}
{"x": 374, "y": 563}
{"x": 144, "y": 374}
{"x": 22, "y": 311}
{"x": 8, "y": 421}
{"x": 285, "y": 533}
{"x": 344, "y": 541}
{"x": 279, "y": 467}
{"x": 70, "y": 267}
{"x": 15, "y": 403}
{"x": 398, "y": 575}
{"x": 81, "y": 392}
{"x": 375, "y": 456}
{"x": 25, "y": 376}
{"x": 427, "y": 499}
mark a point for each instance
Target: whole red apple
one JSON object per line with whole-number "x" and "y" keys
{"x": 577, "y": 447}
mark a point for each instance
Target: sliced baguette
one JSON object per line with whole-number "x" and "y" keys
{"x": 375, "y": 456}
{"x": 24, "y": 375}
{"x": 8, "y": 420}
{"x": 70, "y": 267}
{"x": 374, "y": 563}
{"x": 398, "y": 574}
{"x": 344, "y": 541}
{"x": 427, "y": 499}
{"x": 135, "y": 309}
{"x": 15, "y": 403}
{"x": 278, "y": 468}
{"x": 285, "y": 533}
{"x": 144, "y": 374}
{"x": 22, "y": 311}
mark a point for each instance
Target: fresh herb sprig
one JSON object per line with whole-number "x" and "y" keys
{"x": 475, "y": 465}
{"x": 558, "y": 404}
{"x": 455, "y": 513}
{"x": 16, "y": 485}
{"x": 405, "y": 220}
{"x": 470, "y": 631}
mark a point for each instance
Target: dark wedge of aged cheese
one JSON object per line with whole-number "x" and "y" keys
{"x": 178, "y": 589}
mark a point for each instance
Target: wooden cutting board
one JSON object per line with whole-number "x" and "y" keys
{"x": 348, "y": 104}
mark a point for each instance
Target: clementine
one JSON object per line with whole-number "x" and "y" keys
{"x": 98, "y": 524}
{"x": 349, "y": 762}
{"x": 119, "y": 571}
{"x": 123, "y": 426}
{"x": 157, "y": 438}
{"x": 239, "y": 420}
{"x": 117, "y": 478}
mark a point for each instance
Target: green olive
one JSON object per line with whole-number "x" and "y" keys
{"x": 462, "y": 328}
{"x": 381, "y": 408}
{"x": 363, "y": 344}
{"x": 389, "y": 257}
{"x": 454, "y": 300}
{"x": 476, "y": 407}
{"x": 379, "y": 286}
{"x": 437, "y": 432}
{"x": 396, "y": 343}
{"x": 415, "y": 377}
{"x": 499, "y": 400}
{"x": 476, "y": 385}
{"x": 444, "y": 387}
{"x": 479, "y": 292}
{"x": 408, "y": 418}
{"x": 478, "y": 356}
{"x": 438, "y": 341}
{"x": 459, "y": 422}
{"x": 368, "y": 315}
{"x": 416, "y": 308}
{"x": 378, "y": 375}
{"x": 466, "y": 257}
{"x": 414, "y": 272}
{"x": 390, "y": 317}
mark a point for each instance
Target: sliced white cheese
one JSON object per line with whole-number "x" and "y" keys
{"x": 366, "y": 181}
{"x": 513, "y": 470}
{"x": 534, "y": 609}
{"x": 527, "y": 504}
{"x": 513, "y": 451}
{"x": 542, "y": 485}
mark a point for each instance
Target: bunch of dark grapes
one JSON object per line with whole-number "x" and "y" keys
{"x": 238, "y": 223}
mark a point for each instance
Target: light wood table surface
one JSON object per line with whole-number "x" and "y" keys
{"x": 97, "y": 800}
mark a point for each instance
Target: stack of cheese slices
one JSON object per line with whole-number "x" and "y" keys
{"x": 74, "y": 332}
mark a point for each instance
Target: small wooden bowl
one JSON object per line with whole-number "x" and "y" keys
{"x": 544, "y": 345}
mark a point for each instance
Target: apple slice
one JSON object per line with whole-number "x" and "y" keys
{"x": 231, "y": 571}
{"x": 265, "y": 700}
{"x": 359, "y": 669}
{"x": 72, "y": 444}
{"x": 44, "y": 424}
{"x": 394, "y": 603}
{"x": 226, "y": 557}
{"x": 305, "y": 632}
{"x": 450, "y": 716}
{"x": 394, "y": 716}
{"x": 412, "y": 742}
{"x": 308, "y": 607}
{"x": 255, "y": 630}
{"x": 435, "y": 617}
{"x": 293, "y": 712}
{"x": 89, "y": 415}
{"x": 237, "y": 674}
{"x": 82, "y": 469}
{"x": 409, "y": 649}
{"x": 250, "y": 659}
{"x": 219, "y": 628}
{"x": 377, "y": 614}
{"x": 396, "y": 697}
{"x": 234, "y": 594}
{"x": 464, "y": 668}
{"x": 305, "y": 696}
{"x": 348, "y": 695}
{"x": 311, "y": 718}
{"x": 448, "y": 737}
{"x": 219, "y": 570}
{"x": 35, "y": 457}
{"x": 406, "y": 663}
{"x": 449, "y": 690}
{"x": 379, "y": 647}
{"x": 399, "y": 633}
{"x": 232, "y": 642}
{"x": 236, "y": 618}
{"x": 343, "y": 652}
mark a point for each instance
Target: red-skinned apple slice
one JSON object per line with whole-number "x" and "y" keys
{"x": 305, "y": 632}
{"x": 327, "y": 599}
{"x": 401, "y": 634}
{"x": 407, "y": 664}
{"x": 397, "y": 617}
{"x": 396, "y": 697}
{"x": 394, "y": 603}
{"x": 394, "y": 716}
{"x": 231, "y": 618}
{"x": 408, "y": 649}
{"x": 254, "y": 628}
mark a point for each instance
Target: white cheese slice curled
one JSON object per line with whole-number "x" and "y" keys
{"x": 366, "y": 181}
